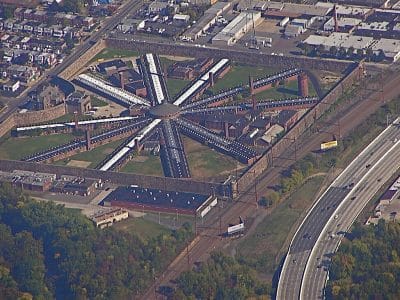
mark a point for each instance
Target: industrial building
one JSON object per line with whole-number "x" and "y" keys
{"x": 237, "y": 28}
{"x": 107, "y": 217}
{"x": 206, "y": 21}
{"x": 146, "y": 199}
{"x": 26, "y": 180}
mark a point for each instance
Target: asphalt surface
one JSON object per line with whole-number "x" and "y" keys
{"x": 106, "y": 26}
{"x": 299, "y": 277}
{"x": 209, "y": 237}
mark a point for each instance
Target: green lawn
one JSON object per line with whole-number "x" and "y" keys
{"x": 17, "y": 148}
{"x": 239, "y": 74}
{"x": 289, "y": 90}
{"x": 98, "y": 102}
{"x": 205, "y": 162}
{"x": 261, "y": 248}
{"x": 109, "y": 53}
{"x": 94, "y": 156}
{"x": 71, "y": 118}
{"x": 175, "y": 86}
{"x": 150, "y": 166}
{"x": 145, "y": 229}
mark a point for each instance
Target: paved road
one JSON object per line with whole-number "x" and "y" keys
{"x": 106, "y": 26}
{"x": 245, "y": 207}
{"x": 302, "y": 280}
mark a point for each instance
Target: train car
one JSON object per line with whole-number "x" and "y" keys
{"x": 236, "y": 230}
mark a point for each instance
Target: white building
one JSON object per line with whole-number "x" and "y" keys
{"x": 389, "y": 47}
{"x": 237, "y": 28}
{"x": 344, "y": 24}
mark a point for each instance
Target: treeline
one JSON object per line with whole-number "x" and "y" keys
{"x": 52, "y": 252}
{"x": 367, "y": 266}
{"x": 221, "y": 277}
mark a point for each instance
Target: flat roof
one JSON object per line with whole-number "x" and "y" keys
{"x": 390, "y": 47}
{"x": 157, "y": 198}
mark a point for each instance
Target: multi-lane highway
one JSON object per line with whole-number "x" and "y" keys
{"x": 305, "y": 268}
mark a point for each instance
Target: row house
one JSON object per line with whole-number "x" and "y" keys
{"x": 25, "y": 74}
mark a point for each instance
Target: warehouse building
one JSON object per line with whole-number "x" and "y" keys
{"x": 237, "y": 28}
{"x": 146, "y": 199}
{"x": 107, "y": 217}
{"x": 206, "y": 21}
{"x": 389, "y": 47}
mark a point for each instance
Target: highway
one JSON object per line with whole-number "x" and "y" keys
{"x": 305, "y": 267}
{"x": 106, "y": 26}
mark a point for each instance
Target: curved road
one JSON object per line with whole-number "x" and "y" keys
{"x": 305, "y": 268}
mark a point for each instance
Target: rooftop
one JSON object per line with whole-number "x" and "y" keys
{"x": 159, "y": 198}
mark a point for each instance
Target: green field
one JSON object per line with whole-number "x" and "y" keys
{"x": 98, "y": 102}
{"x": 109, "y": 53}
{"x": 94, "y": 156}
{"x": 145, "y": 229}
{"x": 17, "y": 148}
{"x": 150, "y": 166}
{"x": 205, "y": 162}
{"x": 288, "y": 90}
{"x": 261, "y": 248}
{"x": 239, "y": 74}
{"x": 175, "y": 86}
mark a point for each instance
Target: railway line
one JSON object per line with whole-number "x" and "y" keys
{"x": 208, "y": 238}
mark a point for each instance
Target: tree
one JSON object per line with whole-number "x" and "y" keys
{"x": 369, "y": 54}
{"x": 350, "y": 51}
{"x": 333, "y": 51}
{"x": 320, "y": 49}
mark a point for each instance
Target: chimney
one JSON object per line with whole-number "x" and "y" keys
{"x": 211, "y": 75}
{"x": 88, "y": 143}
{"x": 251, "y": 85}
{"x": 122, "y": 79}
{"x": 76, "y": 119}
{"x": 254, "y": 101}
{"x": 335, "y": 19}
{"x": 226, "y": 129}
{"x": 302, "y": 84}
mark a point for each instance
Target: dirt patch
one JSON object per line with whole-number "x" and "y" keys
{"x": 177, "y": 58}
{"x": 108, "y": 150}
{"x": 78, "y": 163}
{"x": 140, "y": 158}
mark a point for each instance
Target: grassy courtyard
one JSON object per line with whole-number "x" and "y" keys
{"x": 110, "y": 53}
{"x": 92, "y": 157}
{"x": 239, "y": 74}
{"x": 205, "y": 162}
{"x": 146, "y": 165}
{"x": 174, "y": 86}
{"x": 17, "y": 148}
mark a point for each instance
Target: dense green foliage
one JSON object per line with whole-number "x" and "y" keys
{"x": 367, "y": 266}
{"x": 221, "y": 277}
{"x": 51, "y": 252}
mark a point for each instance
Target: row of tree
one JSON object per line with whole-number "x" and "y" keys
{"x": 221, "y": 277}
{"x": 51, "y": 252}
{"x": 341, "y": 52}
{"x": 367, "y": 266}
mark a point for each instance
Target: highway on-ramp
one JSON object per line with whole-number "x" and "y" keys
{"x": 305, "y": 268}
